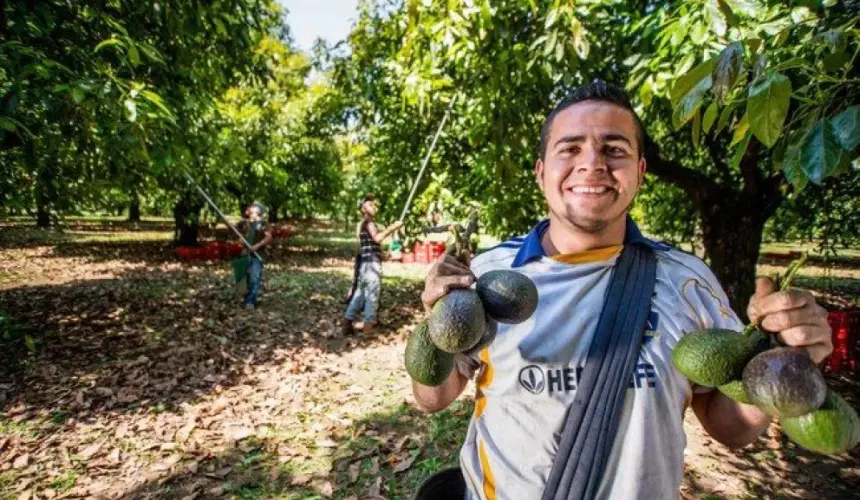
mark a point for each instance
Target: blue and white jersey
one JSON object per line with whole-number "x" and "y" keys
{"x": 528, "y": 375}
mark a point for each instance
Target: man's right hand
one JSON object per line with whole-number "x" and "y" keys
{"x": 446, "y": 273}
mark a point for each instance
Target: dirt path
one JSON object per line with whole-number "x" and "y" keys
{"x": 125, "y": 374}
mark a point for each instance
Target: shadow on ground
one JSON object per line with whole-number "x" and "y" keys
{"x": 385, "y": 454}
{"x": 162, "y": 333}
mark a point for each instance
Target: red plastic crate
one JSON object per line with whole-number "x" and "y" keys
{"x": 844, "y": 326}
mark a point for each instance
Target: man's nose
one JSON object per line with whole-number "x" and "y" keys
{"x": 591, "y": 160}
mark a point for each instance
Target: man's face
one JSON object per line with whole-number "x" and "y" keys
{"x": 253, "y": 213}
{"x": 591, "y": 170}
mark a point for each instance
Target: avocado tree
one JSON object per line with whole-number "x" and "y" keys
{"x": 751, "y": 82}
{"x": 94, "y": 91}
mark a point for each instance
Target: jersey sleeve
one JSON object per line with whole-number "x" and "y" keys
{"x": 706, "y": 301}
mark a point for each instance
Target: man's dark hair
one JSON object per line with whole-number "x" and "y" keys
{"x": 598, "y": 90}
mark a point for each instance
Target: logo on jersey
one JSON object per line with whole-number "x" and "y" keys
{"x": 532, "y": 379}
{"x": 536, "y": 380}
{"x": 651, "y": 328}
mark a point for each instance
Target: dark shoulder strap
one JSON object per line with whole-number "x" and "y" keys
{"x": 592, "y": 419}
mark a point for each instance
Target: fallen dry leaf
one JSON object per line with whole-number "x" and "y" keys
{"x": 406, "y": 463}
{"x": 327, "y": 443}
{"x": 375, "y": 490}
{"x": 300, "y": 480}
{"x": 90, "y": 451}
{"x": 239, "y": 433}
{"x": 184, "y": 433}
{"x": 354, "y": 471}
{"x": 326, "y": 489}
{"x": 219, "y": 405}
{"x": 167, "y": 463}
{"x": 21, "y": 461}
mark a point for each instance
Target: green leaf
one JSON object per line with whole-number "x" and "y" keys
{"x": 835, "y": 61}
{"x": 78, "y": 95}
{"x": 724, "y": 117}
{"x": 155, "y": 99}
{"x": 742, "y": 149}
{"x": 7, "y": 124}
{"x": 791, "y": 168}
{"x": 693, "y": 78}
{"x": 698, "y": 33}
{"x": 697, "y": 128}
{"x": 30, "y": 343}
{"x": 718, "y": 21}
{"x": 727, "y": 69}
{"x": 820, "y": 152}
{"x": 767, "y": 107}
{"x": 110, "y": 42}
{"x": 691, "y": 102}
{"x": 845, "y": 128}
{"x": 741, "y": 130}
{"x": 745, "y": 7}
{"x": 759, "y": 66}
{"x": 131, "y": 110}
{"x": 710, "y": 117}
{"x": 133, "y": 55}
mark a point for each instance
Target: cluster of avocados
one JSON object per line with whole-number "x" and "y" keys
{"x": 457, "y": 322}
{"x": 782, "y": 381}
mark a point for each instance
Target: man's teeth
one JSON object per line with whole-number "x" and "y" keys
{"x": 590, "y": 189}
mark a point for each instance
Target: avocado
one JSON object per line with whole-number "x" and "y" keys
{"x": 784, "y": 381}
{"x": 831, "y": 429}
{"x": 508, "y": 296}
{"x": 735, "y": 391}
{"x": 457, "y": 321}
{"x": 425, "y": 362}
{"x": 712, "y": 357}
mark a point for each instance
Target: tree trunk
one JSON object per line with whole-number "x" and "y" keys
{"x": 134, "y": 209}
{"x": 186, "y": 216}
{"x": 43, "y": 216}
{"x": 45, "y": 190}
{"x": 733, "y": 217}
{"x": 273, "y": 214}
{"x": 732, "y": 237}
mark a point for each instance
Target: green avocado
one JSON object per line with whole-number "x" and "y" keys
{"x": 457, "y": 321}
{"x": 712, "y": 357}
{"x": 831, "y": 429}
{"x": 508, "y": 296}
{"x": 784, "y": 382}
{"x": 425, "y": 362}
{"x": 735, "y": 389}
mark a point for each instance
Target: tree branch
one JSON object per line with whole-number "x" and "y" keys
{"x": 693, "y": 182}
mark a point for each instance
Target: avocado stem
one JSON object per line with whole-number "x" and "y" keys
{"x": 784, "y": 283}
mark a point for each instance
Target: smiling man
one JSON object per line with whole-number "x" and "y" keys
{"x": 591, "y": 165}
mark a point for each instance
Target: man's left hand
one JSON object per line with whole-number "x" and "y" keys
{"x": 794, "y": 315}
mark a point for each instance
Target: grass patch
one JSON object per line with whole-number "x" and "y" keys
{"x": 65, "y": 482}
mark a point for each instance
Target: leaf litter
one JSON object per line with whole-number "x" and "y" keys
{"x": 147, "y": 378}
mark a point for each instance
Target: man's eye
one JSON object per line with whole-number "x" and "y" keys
{"x": 615, "y": 151}
{"x": 570, "y": 150}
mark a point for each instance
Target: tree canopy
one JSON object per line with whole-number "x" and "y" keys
{"x": 746, "y": 102}
{"x": 751, "y": 108}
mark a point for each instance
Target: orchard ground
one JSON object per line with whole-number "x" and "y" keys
{"x": 125, "y": 373}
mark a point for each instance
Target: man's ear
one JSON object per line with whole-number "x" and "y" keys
{"x": 643, "y": 166}
{"x": 539, "y": 173}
